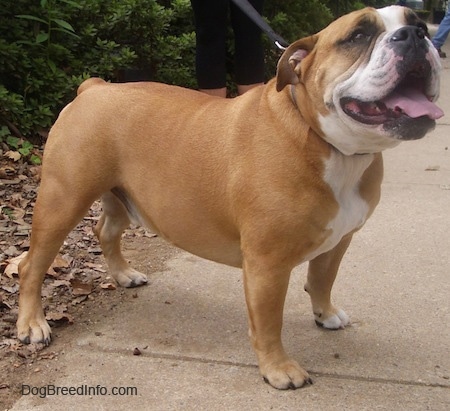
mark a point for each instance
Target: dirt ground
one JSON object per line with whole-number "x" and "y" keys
{"x": 77, "y": 289}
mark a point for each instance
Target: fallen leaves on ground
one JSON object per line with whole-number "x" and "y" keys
{"x": 77, "y": 274}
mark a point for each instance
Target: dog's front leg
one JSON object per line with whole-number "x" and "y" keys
{"x": 322, "y": 272}
{"x": 265, "y": 292}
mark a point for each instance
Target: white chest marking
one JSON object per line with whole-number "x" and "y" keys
{"x": 343, "y": 174}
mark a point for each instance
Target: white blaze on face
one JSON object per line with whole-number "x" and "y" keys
{"x": 393, "y": 17}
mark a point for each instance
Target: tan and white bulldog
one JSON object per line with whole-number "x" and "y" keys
{"x": 282, "y": 175}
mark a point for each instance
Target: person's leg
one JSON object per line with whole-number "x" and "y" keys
{"x": 442, "y": 32}
{"x": 249, "y": 52}
{"x": 210, "y": 27}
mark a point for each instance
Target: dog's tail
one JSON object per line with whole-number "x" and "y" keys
{"x": 89, "y": 83}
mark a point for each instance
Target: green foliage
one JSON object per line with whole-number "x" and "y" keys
{"x": 23, "y": 147}
{"x": 39, "y": 62}
{"x": 48, "y": 47}
{"x": 293, "y": 19}
{"x": 340, "y": 7}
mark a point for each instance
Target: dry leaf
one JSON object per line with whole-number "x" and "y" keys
{"x": 11, "y": 251}
{"x": 13, "y": 155}
{"x": 58, "y": 264}
{"x": 10, "y": 182}
{"x": 35, "y": 172}
{"x": 108, "y": 286}
{"x": 13, "y": 267}
{"x": 4, "y": 305}
{"x": 68, "y": 258}
{"x": 59, "y": 317}
{"x": 17, "y": 200}
{"x": 24, "y": 244}
{"x": 60, "y": 283}
{"x": 12, "y": 289}
{"x": 80, "y": 288}
{"x": 47, "y": 355}
{"x": 7, "y": 172}
{"x": 80, "y": 299}
{"x": 96, "y": 267}
{"x": 12, "y": 343}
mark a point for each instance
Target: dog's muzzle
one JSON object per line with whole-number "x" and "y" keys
{"x": 405, "y": 109}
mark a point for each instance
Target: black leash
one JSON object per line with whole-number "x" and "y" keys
{"x": 251, "y": 13}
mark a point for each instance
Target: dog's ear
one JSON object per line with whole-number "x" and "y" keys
{"x": 288, "y": 69}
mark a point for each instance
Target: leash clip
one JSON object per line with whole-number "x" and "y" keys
{"x": 253, "y": 15}
{"x": 279, "y": 45}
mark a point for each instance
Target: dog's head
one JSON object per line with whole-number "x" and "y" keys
{"x": 371, "y": 76}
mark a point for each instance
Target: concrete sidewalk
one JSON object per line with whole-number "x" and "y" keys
{"x": 191, "y": 329}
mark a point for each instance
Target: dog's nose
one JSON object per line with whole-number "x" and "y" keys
{"x": 408, "y": 34}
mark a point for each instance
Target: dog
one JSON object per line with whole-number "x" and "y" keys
{"x": 282, "y": 175}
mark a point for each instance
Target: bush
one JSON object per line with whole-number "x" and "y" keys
{"x": 48, "y": 48}
{"x": 42, "y": 61}
{"x": 293, "y": 19}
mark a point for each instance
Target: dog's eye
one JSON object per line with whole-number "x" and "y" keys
{"x": 358, "y": 36}
{"x": 424, "y": 29}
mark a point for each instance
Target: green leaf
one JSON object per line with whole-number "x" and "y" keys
{"x": 52, "y": 66}
{"x": 13, "y": 142}
{"x": 64, "y": 24}
{"x": 41, "y": 37}
{"x": 4, "y": 132}
{"x": 66, "y": 31}
{"x": 24, "y": 151}
{"x": 36, "y": 160}
{"x": 44, "y": 4}
{"x": 28, "y": 17}
{"x": 72, "y": 3}
{"x": 28, "y": 43}
{"x": 27, "y": 145}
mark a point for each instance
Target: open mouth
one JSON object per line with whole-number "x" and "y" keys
{"x": 408, "y": 99}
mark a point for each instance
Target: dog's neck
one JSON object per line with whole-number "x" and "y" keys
{"x": 297, "y": 107}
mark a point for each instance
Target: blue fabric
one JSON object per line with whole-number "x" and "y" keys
{"x": 443, "y": 30}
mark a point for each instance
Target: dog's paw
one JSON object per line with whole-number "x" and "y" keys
{"x": 333, "y": 321}
{"x": 286, "y": 376}
{"x": 34, "y": 331}
{"x": 130, "y": 278}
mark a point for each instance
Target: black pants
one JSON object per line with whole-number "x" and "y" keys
{"x": 211, "y": 17}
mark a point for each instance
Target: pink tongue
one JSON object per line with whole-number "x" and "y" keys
{"x": 413, "y": 103}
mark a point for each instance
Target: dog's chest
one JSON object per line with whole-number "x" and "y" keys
{"x": 343, "y": 174}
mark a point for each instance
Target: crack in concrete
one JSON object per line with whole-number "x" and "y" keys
{"x": 185, "y": 358}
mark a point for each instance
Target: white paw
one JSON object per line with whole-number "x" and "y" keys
{"x": 130, "y": 278}
{"x": 336, "y": 321}
{"x": 286, "y": 376}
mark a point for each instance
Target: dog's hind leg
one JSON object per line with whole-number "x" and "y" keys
{"x": 56, "y": 213}
{"x": 322, "y": 272}
{"x": 109, "y": 229}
